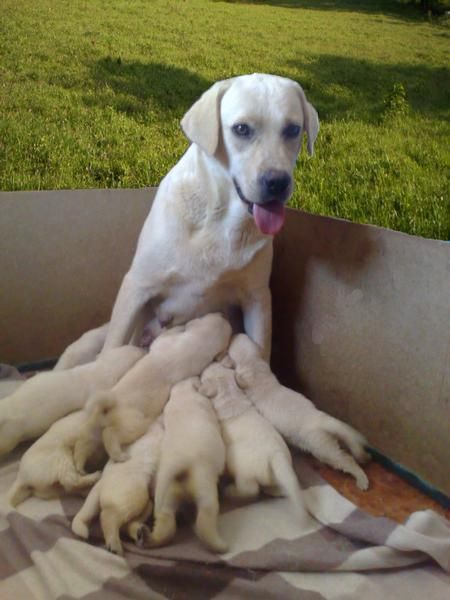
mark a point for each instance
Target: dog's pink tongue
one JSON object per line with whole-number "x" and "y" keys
{"x": 269, "y": 218}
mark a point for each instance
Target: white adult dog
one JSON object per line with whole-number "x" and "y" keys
{"x": 55, "y": 462}
{"x": 139, "y": 397}
{"x": 296, "y": 417}
{"x": 122, "y": 495}
{"x": 192, "y": 459}
{"x": 40, "y": 401}
{"x": 207, "y": 242}
{"x": 256, "y": 454}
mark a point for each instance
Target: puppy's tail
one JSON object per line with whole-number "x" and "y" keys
{"x": 286, "y": 479}
{"x": 18, "y": 493}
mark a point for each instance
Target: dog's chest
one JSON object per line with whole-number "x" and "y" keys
{"x": 208, "y": 273}
{"x": 196, "y": 296}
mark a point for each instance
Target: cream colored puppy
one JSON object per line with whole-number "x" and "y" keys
{"x": 139, "y": 397}
{"x": 122, "y": 495}
{"x": 55, "y": 462}
{"x": 207, "y": 242}
{"x": 192, "y": 459}
{"x": 86, "y": 350}
{"x": 296, "y": 417}
{"x": 40, "y": 401}
{"x": 256, "y": 454}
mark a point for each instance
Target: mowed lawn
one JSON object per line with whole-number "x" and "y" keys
{"x": 91, "y": 94}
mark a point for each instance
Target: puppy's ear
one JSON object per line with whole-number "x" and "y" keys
{"x": 311, "y": 120}
{"x": 207, "y": 389}
{"x": 201, "y": 123}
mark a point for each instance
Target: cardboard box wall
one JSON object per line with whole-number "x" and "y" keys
{"x": 361, "y": 314}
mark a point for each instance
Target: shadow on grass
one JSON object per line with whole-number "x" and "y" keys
{"x": 392, "y": 8}
{"x": 135, "y": 88}
{"x": 339, "y": 87}
{"x": 354, "y": 88}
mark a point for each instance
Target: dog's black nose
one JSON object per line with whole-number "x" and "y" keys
{"x": 275, "y": 185}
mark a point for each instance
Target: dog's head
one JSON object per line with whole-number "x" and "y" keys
{"x": 254, "y": 125}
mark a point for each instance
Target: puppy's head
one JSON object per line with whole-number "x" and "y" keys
{"x": 254, "y": 125}
{"x": 212, "y": 326}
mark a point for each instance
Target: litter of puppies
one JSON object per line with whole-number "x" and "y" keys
{"x": 200, "y": 407}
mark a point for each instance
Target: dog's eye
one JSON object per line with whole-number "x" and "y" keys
{"x": 291, "y": 131}
{"x": 242, "y": 130}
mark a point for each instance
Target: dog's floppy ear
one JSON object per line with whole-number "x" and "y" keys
{"x": 311, "y": 120}
{"x": 201, "y": 123}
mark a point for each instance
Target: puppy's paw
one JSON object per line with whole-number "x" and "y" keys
{"x": 115, "y": 547}
{"x": 217, "y": 545}
{"x": 80, "y": 528}
{"x": 362, "y": 481}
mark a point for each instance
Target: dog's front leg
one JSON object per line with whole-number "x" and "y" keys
{"x": 257, "y": 313}
{"x": 130, "y": 301}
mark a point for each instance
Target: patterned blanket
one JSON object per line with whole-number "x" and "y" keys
{"x": 340, "y": 553}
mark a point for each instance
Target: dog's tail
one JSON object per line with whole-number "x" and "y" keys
{"x": 19, "y": 492}
{"x": 286, "y": 479}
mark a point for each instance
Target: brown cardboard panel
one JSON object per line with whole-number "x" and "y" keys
{"x": 361, "y": 325}
{"x": 361, "y": 314}
{"x": 62, "y": 257}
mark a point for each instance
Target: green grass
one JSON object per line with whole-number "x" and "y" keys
{"x": 91, "y": 94}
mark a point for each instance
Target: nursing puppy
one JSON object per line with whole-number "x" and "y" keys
{"x": 84, "y": 351}
{"x": 40, "y": 401}
{"x": 192, "y": 459}
{"x": 122, "y": 495}
{"x": 256, "y": 454}
{"x": 139, "y": 397}
{"x": 55, "y": 462}
{"x": 296, "y": 417}
{"x": 207, "y": 242}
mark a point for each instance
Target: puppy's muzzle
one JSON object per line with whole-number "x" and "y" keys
{"x": 274, "y": 185}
